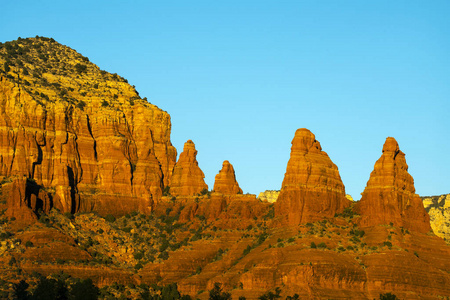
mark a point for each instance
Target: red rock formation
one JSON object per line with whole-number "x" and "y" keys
{"x": 104, "y": 145}
{"x": 220, "y": 206}
{"x": 18, "y": 202}
{"x": 312, "y": 188}
{"x": 389, "y": 196}
{"x": 225, "y": 182}
{"x": 187, "y": 177}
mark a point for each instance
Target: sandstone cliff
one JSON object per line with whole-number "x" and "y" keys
{"x": 269, "y": 196}
{"x": 389, "y": 197}
{"x": 187, "y": 178}
{"x": 312, "y": 188}
{"x": 81, "y": 133}
{"x": 76, "y": 138}
{"x": 438, "y": 207}
{"x": 225, "y": 181}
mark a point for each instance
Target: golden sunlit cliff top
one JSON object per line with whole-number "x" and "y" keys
{"x": 52, "y": 72}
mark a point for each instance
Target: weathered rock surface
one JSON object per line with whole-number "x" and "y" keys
{"x": 269, "y": 196}
{"x": 78, "y": 139}
{"x": 389, "y": 196}
{"x": 225, "y": 181}
{"x": 438, "y": 207}
{"x": 187, "y": 177}
{"x": 412, "y": 268}
{"x": 312, "y": 188}
{"x": 21, "y": 202}
{"x": 223, "y": 208}
{"x": 79, "y": 131}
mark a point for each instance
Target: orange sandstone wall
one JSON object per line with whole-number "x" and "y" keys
{"x": 111, "y": 153}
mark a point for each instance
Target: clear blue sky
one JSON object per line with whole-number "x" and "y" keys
{"x": 239, "y": 77}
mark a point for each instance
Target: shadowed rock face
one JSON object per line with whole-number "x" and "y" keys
{"x": 187, "y": 177}
{"x": 389, "y": 196}
{"x": 312, "y": 188}
{"x": 225, "y": 181}
{"x": 20, "y": 202}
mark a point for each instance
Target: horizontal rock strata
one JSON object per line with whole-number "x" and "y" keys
{"x": 312, "y": 188}
{"x": 389, "y": 196}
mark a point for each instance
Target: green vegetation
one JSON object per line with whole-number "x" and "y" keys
{"x": 63, "y": 287}
{"x": 358, "y": 233}
{"x": 205, "y": 192}
{"x": 388, "y": 296}
{"x": 219, "y": 254}
{"x": 247, "y": 250}
{"x": 138, "y": 266}
{"x": 166, "y": 191}
{"x": 321, "y": 245}
{"x": 51, "y": 288}
{"x": 270, "y": 214}
{"x": 271, "y": 295}
{"x": 52, "y": 72}
{"x": 388, "y": 244}
{"x": 260, "y": 239}
{"x": 110, "y": 218}
{"x": 347, "y": 213}
{"x": 80, "y": 68}
{"x": 5, "y": 235}
{"x": 216, "y": 293}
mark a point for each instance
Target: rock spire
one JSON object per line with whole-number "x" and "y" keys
{"x": 225, "y": 181}
{"x": 187, "y": 177}
{"x": 312, "y": 188}
{"x": 389, "y": 196}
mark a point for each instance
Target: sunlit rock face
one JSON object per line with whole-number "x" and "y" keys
{"x": 389, "y": 196}
{"x": 269, "y": 196}
{"x": 187, "y": 178}
{"x": 438, "y": 207}
{"x": 81, "y": 133}
{"x": 225, "y": 181}
{"x": 312, "y": 188}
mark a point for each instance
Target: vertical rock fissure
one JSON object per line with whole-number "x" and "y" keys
{"x": 90, "y": 132}
{"x": 39, "y": 157}
{"x": 13, "y": 153}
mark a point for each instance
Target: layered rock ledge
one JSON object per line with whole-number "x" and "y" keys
{"x": 389, "y": 196}
{"x": 312, "y": 188}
